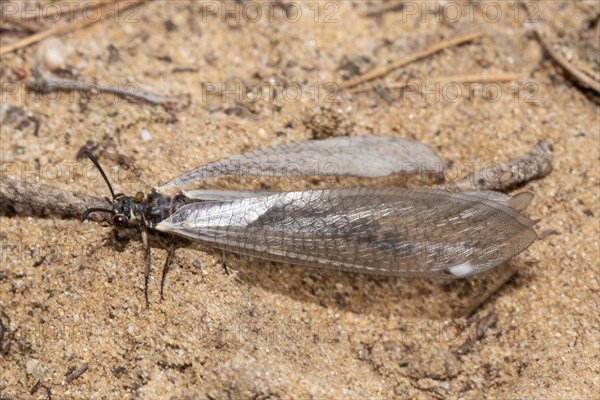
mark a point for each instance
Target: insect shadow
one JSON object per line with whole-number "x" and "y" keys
{"x": 431, "y": 299}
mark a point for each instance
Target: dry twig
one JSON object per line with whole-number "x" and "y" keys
{"x": 578, "y": 76}
{"x": 21, "y": 23}
{"x": 376, "y": 11}
{"x": 62, "y": 29}
{"x": 498, "y": 77}
{"x": 5, "y": 334}
{"x": 49, "y": 84}
{"x": 379, "y": 72}
{"x": 536, "y": 164}
{"x": 31, "y": 198}
{"x": 76, "y": 373}
{"x": 73, "y": 8}
{"x": 499, "y": 277}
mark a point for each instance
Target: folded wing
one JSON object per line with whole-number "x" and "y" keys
{"x": 361, "y": 156}
{"x": 400, "y": 232}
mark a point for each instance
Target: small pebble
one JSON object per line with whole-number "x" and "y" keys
{"x": 146, "y": 136}
{"x": 32, "y": 366}
{"x": 52, "y": 53}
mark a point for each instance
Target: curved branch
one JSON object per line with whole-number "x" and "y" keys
{"x": 34, "y": 199}
{"x": 535, "y": 164}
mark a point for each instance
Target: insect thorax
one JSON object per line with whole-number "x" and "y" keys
{"x": 158, "y": 207}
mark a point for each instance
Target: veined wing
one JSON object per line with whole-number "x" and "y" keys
{"x": 518, "y": 202}
{"x": 224, "y": 195}
{"x": 401, "y": 232}
{"x": 361, "y": 156}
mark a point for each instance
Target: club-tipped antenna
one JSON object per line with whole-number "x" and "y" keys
{"x": 97, "y": 164}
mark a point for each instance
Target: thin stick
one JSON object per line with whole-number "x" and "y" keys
{"x": 498, "y": 77}
{"x": 35, "y": 387}
{"x": 21, "y": 23}
{"x": 481, "y": 330}
{"x": 376, "y": 11}
{"x": 579, "y": 77}
{"x": 5, "y": 347}
{"x": 61, "y": 29}
{"x": 31, "y": 198}
{"x": 379, "y": 72}
{"x": 49, "y": 84}
{"x": 58, "y": 11}
{"x": 536, "y": 164}
{"x": 507, "y": 272}
{"x": 77, "y": 373}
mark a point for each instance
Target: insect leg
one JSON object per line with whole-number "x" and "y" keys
{"x": 168, "y": 261}
{"x": 147, "y": 271}
{"x": 224, "y": 262}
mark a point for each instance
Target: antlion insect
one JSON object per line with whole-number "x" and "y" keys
{"x": 388, "y": 231}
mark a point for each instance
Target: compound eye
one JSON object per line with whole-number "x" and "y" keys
{"x": 120, "y": 220}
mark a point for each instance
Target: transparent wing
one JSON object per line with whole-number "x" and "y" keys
{"x": 518, "y": 202}
{"x": 401, "y": 232}
{"x": 224, "y": 195}
{"x": 362, "y": 156}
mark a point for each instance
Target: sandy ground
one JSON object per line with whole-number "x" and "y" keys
{"x": 72, "y": 293}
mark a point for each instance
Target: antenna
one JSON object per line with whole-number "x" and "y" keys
{"x": 97, "y": 164}
{"x": 87, "y": 212}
